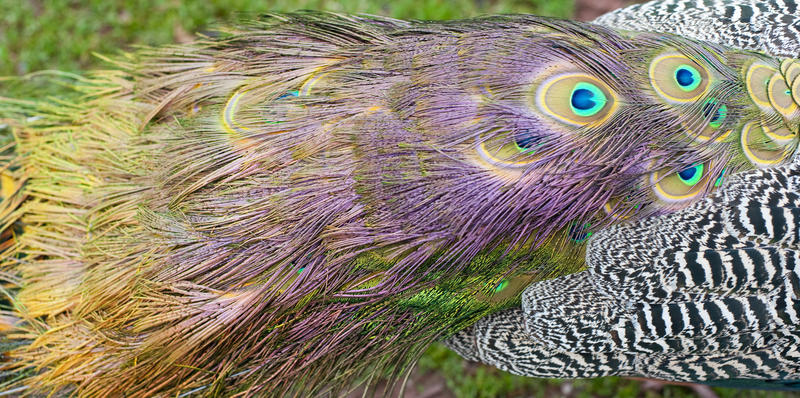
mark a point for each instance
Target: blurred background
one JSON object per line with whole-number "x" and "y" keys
{"x": 66, "y": 34}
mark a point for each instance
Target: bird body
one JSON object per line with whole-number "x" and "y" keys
{"x": 310, "y": 199}
{"x": 707, "y": 294}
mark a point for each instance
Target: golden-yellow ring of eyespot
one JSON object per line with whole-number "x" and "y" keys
{"x": 542, "y": 94}
{"x": 757, "y": 161}
{"x": 753, "y": 85}
{"x": 655, "y": 181}
{"x": 657, "y": 84}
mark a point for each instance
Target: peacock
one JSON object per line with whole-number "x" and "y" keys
{"x": 306, "y": 201}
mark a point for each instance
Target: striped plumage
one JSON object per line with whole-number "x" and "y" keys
{"x": 310, "y": 199}
{"x": 768, "y": 26}
{"x": 708, "y": 294}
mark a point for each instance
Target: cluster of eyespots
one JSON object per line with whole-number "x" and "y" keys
{"x": 767, "y": 143}
{"x": 678, "y": 79}
{"x": 576, "y": 99}
{"x": 774, "y": 90}
{"x": 680, "y": 186}
{"x": 790, "y": 70}
{"x": 764, "y": 146}
{"x": 511, "y": 149}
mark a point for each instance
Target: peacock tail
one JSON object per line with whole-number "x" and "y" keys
{"x": 308, "y": 200}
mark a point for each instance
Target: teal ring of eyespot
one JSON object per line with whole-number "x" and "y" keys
{"x": 687, "y": 77}
{"x": 722, "y": 112}
{"x": 523, "y": 149}
{"x": 579, "y": 234}
{"x": 719, "y": 115}
{"x": 692, "y": 175}
{"x": 500, "y": 286}
{"x": 718, "y": 182}
{"x": 587, "y": 99}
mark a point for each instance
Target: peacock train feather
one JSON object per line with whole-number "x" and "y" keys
{"x": 308, "y": 200}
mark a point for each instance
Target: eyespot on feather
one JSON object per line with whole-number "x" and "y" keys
{"x": 691, "y": 176}
{"x": 579, "y": 233}
{"x": 679, "y": 186}
{"x": 795, "y": 89}
{"x": 237, "y": 129}
{"x": 785, "y": 64}
{"x": 757, "y": 79}
{"x": 688, "y": 78}
{"x": 780, "y": 97}
{"x": 759, "y": 148}
{"x": 780, "y": 134}
{"x": 500, "y": 286}
{"x": 716, "y": 114}
{"x": 511, "y": 149}
{"x": 791, "y": 71}
{"x": 679, "y": 79}
{"x": 505, "y": 289}
{"x": 576, "y": 99}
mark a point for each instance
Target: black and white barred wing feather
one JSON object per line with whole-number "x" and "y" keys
{"x": 769, "y": 26}
{"x": 711, "y": 293}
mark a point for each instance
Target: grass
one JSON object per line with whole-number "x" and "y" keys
{"x": 479, "y": 381}
{"x": 64, "y": 35}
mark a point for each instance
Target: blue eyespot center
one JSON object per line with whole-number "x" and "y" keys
{"x": 292, "y": 93}
{"x": 684, "y": 77}
{"x": 692, "y": 175}
{"x": 688, "y": 173}
{"x": 587, "y": 99}
{"x": 527, "y": 141}
{"x": 582, "y": 99}
{"x": 687, "y": 77}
